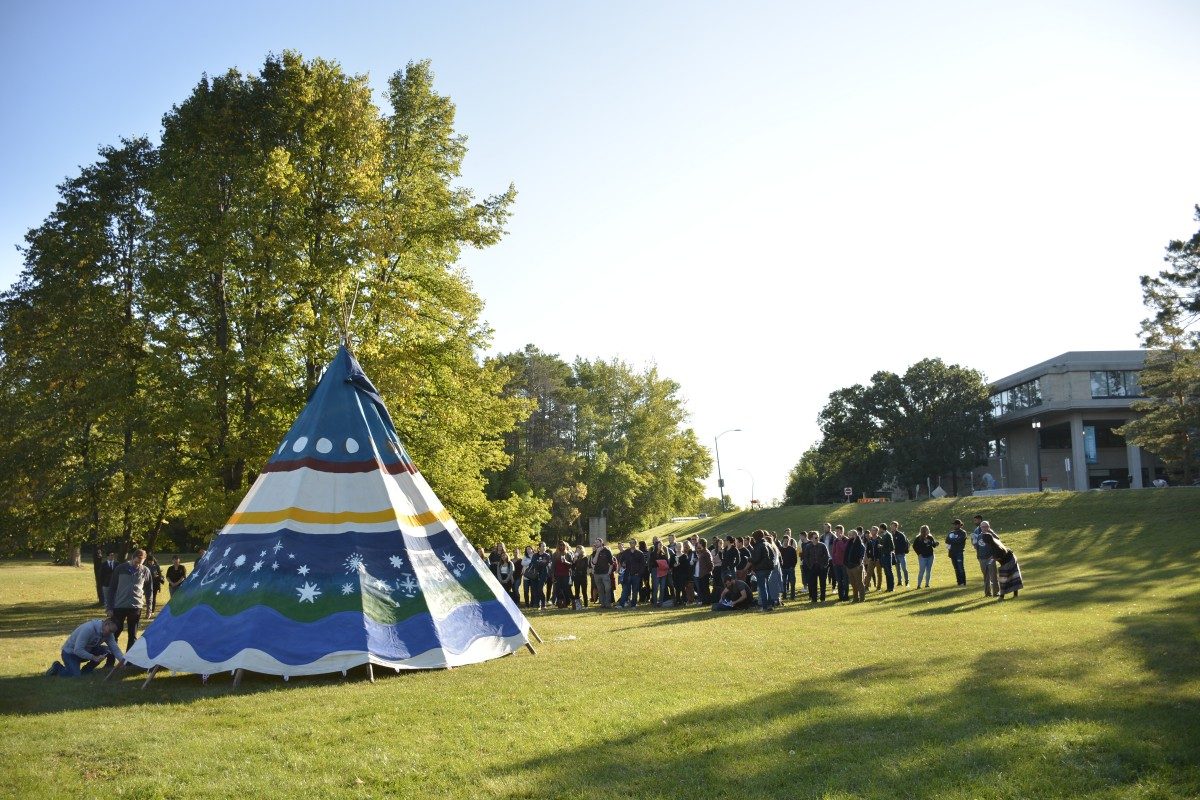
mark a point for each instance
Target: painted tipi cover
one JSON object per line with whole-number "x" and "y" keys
{"x": 339, "y": 555}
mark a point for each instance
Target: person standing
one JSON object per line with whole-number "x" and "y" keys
{"x": 505, "y": 573}
{"x": 156, "y": 582}
{"x": 827, "y": 538}
{"x": 887, "y": 550}
{"x": 602, "y": 565}
{"x": 760, "y": 564}
{"x": 107, "y": 567}
{"x": 527, "y": 577}
{"x": 90, "y": 643}
{"x": 127, "y": 590}
{"x": 175, "y": 575}
{"x": 633, "y": 562}
{"x": 923, "y": 546}
{"x": 704, "y": 571}
{"x": 816, "y": 563}
{"x": 856, "y": 554}
{"x": 902, "y": 547}
{"x": 871, "y": 561}
{"x": 838, "y": 558}
{"x": 987, "y": 564}
{"x": 789, "y": 557}
{"x": 956, "y": 541}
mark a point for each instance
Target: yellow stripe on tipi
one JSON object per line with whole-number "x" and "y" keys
{"x": 338, "y": 517}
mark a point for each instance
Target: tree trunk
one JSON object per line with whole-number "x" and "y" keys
{"x": 74, "y": 558}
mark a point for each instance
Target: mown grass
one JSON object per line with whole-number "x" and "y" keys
{"x": 1087, "y": 686}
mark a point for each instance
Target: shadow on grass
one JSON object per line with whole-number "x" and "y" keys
{"x": 1016, "y": 726}
{"x": 45, "y": 618}
{"x": 39, "y": 694}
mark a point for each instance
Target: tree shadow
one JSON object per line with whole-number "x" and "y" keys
{"x": 47, "y": 618}
{"x": 1002, "y": 730}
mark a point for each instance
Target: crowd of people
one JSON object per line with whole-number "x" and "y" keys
{"x": 763, "y": 569}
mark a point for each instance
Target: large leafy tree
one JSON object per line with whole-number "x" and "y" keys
{"x": 1169, "y": 425}
{"x": 179, "y": 305}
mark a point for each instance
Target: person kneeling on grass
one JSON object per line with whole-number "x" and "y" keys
{"x": 735, "y": 597}
{"x": 91, "y": 643}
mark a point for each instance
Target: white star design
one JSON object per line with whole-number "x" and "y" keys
{"x": 303, "y": 570}
{"x": 227, "y": 549}
{"x": 262, "y": 554}
{"x": 232, "y": 586}
{"x": 237, "y": 562}
{"x": 274, "y": 565}
{"x": 397, "y": 561}
{"x": 382, "y": 586}
{"x": 223, "y": 585}
{"x": 257, "y": 566}
{"x": 291, "y": 555}
{"x": 254, "y": 585}
{"x": 217, "y": 569}
{"x": 347, "y": 588}
{"x": 458, "y": 572}
{"x": 448, "y": 558}
{"x": 309, "y": 593}
{"x": 276, "y": 548}
{"x": 409, "y": 586}
{"x": 353, "y": 562}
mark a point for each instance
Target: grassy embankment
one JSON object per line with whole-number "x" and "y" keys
{"x": 1087, "y": 686}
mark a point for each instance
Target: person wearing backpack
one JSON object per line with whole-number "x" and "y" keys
{"x": 901, "y": 543}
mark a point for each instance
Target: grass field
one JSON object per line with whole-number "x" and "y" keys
{"x": 1087, "y": 686}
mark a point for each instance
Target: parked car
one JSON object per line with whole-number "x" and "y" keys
{"x": 1110, "y": 484}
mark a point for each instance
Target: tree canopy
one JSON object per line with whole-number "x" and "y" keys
{"x": 177, "y": 307}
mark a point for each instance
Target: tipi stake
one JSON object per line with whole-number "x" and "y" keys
{"x": 535, "y": 635}
{"x": 150, "y": 675}
{"x": 237, "y": 677}
{"x": 113, "y": 671}
{"x": 371, "y": 672}
{"x": 527, "y": 644}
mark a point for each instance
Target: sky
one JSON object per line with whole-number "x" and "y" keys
{"x": 766, "y": 201}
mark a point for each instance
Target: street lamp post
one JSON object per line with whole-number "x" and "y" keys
{"x": 1037, "y": 446}
{"x": 717, "y": 448}
{"x": 751, "y": 474}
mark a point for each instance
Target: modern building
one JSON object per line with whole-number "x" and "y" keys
{"x": 1058, "y": 421}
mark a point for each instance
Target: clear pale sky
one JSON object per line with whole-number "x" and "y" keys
{"x": 767, "y": 200}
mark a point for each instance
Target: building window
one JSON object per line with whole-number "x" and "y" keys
{"x": 1115, "y": 383}
{"x": 1025, "y": 395}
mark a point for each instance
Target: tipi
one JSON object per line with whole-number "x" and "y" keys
{"x": 339, "y": 555}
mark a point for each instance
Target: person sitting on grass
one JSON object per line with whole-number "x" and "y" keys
{"x": 91, "y": 643}
{"x": 736, "y": 595}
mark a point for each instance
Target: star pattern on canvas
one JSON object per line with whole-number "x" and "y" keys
{"x": 232, "y": 586}
{"x": 218, "y": 568}
{"x": 227, "y": 549}
{"x": 353, "y": 562}
{"x": 278, "y": 546}
{"x": 274, "y": 565}
{"x": 291, "y": 555}
{"x": 257, "y": 566}
{"x": 408, "y": 586}
{"x": 347, "y": 588}
{"x": 303, "y": 570}
{"x": 254, "y": 585}
{"x": 237, "y": 562}
{"x": 448, "y": 558}
{"x": 263, "y": 554}
{"x": 396, "y": 561}
{"x": 308, "y": 593}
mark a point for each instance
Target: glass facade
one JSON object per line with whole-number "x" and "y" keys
{"x": 1025, "y": 395}
{"x": 1116, "y": 383}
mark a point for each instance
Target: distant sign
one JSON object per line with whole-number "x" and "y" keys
{"x": 848, "y": 491}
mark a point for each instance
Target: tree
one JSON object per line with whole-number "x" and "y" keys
{"x": 1169, "y": 425}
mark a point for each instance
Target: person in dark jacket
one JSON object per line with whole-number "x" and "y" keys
{"x": 923, "y": 546}
{"x": 887, "y": 549}
{"x": 956, "y": 541}
{"x": 816, "y": 564}
{"x": 633, "y": 562}
{"x": 1006, "y": 562}
{"x": 175, "y": 575}
{"x": 761, "y": 565}
{"x": 856, "y": 553}
{"x": 838, "y": 556}
{"x": 789, "y": 557}
{"x": 104, "y": 575}
{"x": 735, "y": 596}
{"x": 901, "y": 556}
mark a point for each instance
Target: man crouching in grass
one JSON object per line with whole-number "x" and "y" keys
{"x": 88, "y": 645}
{"x": 735, "y": 597}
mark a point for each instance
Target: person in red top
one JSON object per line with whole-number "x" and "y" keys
{"x": 562, "y": 576}
{"x": 662, "y": 570}
{"x": 838, "y": 557}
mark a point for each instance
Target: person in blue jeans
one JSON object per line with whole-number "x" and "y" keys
{"x": 90, "y": 643}
{"x": 761, "y": 562}
{"x": 633, "y": 562}
{"x": 902, "y": 546}
{"x": 956, "y": 541}
{"x": 923, "y": 546}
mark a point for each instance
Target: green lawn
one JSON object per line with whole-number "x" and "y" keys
{"x": 1087, "y": 686}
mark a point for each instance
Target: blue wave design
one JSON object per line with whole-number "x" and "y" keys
{"x": 216, "y": 638}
